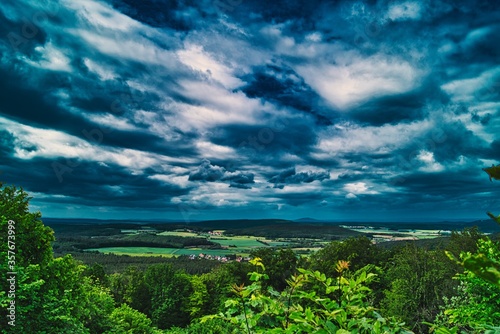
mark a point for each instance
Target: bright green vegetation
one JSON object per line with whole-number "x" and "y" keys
{"x": 145, "y": 251}
{"x": 349, "y": 286}
{"x": 179, "y": 233}
{"x": 386, "y": 234}
{"x": 137, "y": 251}
{"x": 238, "y": 241}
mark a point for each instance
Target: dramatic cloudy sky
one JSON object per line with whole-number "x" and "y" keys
{"x": 203, "y": 109}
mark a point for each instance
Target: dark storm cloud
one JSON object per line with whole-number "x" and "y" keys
{"x": 239, "y": 178}
{"x": 38, "y": 107}
{"x": 6, "y": 144}
{"x": 295, "y": 136}
{"x": 447, "y": 142}
{"x": 89, "y": 183}
{"x": 177, "y": 15}
{"x": 298, "y": 12}
{"x": 449, "y": 190}
{"x": 284, "y": 86}
{"x": 397, "y": 100}
{"x": 494, "y": 150}
{"x": 297, "y": 199}
{"x": 290, "y": 176}
{"x": 239, "y": 185}
{"x": 484, "y": 120}
{"x": 206, "y": 172}
{"x": 405, "y": 107}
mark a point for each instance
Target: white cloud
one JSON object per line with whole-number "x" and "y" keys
{"x": 410, "y": 10}
{"x": 352, "y": 138}
{"x": 218, "y": 106}
{"x": 100, "y": 15}
{"x": 182, "y": 181}
{"x": 358, "y": 188}
{"x": 195, "y": 57}
{"x": 103, "y": 72}
{"x": 51, "y": 58}
{"x": 111, "y": 122}
{"x": 31, "y": 142}
{"x": 483, "y": 86}
{"x": 122, "y": 47}
{"x": 209, "y": 150}
{"x": 430, "y": 164}
{"x": 353, "y": 81}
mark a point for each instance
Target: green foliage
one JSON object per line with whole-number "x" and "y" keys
{"x": 126, "y": 320}
{"x": 209, "y": 326}
{"x": 97, "y": 274}
{"x": 33, "y": 240}
{"x": 464, "y": 241}
{"x": 477, "y": 302}
{"x": 334, "y": 294}
{"x": 58, "y": 298}
{"x": 419, "y": 280}
{"x": 359, "y": 251}
{"x": 476, "y": 306}
{"x": 131, "y": 288}
{"x": 493, "y": 172}
{"x": 485, "y": 263}
{"x": 219, "y": 281}
{"x": 297, "y": 310}
{"x": 198, "y": 300}
{"x": 495, "y": 218}
{"x": 168, "y": 290}
{"x": 280, "y": 264}
{"x": 54, "y": 295}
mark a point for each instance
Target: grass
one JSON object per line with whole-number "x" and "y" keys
{"x": 239, "y": 242}
{"x": 179, "y": 234}
{"x": 167, "y": 252}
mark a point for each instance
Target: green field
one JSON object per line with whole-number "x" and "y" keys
{"x": 386, "y": 234}
{"x": 168, "y": 252}
{"x": 179, "y": 234}
{"x": 238, "y": 241}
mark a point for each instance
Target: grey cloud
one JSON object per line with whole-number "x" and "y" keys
{"x": 239, "y": 178}
{"x": 206, "y": 172}
{"x": 239, "y": 185}
{"x": 264, "y": 44}
{"x": 284, "y": 86}
{"x": 79, "y": 182}
{"x": 290, "y": 176}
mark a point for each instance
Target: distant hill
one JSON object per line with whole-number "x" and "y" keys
{"x": 307, "y": 220}
{"x": 260, "y": 225}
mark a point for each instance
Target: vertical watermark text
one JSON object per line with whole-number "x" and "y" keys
{"x": 11, "y": 273}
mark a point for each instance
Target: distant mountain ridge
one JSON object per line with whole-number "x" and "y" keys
{"x": 485, "y": 225}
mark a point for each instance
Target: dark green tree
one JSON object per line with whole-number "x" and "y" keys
{"x": 130, "y": 287}
{"x": 419, "y": 279}
{"x": 169, "y": 291}
{"x": 52, "y": 295}
{"x": 33, "y": 240}
{"x": 358, "y": 251}
{"x": 126, "y": 320}
{"x": 280, "y": 263}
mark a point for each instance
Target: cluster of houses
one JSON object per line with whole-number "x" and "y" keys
{"x": 224, "y": 258}
{"x": 215, "y": 233}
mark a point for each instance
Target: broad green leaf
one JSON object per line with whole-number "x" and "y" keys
{"x": 493, "y": 172}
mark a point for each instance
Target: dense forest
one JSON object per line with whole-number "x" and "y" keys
{"x": 349, "y": 286}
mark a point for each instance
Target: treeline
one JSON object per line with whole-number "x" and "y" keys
{"x": 68, "y": 243}
{"x": 295, "y": 230}
{"x": 351, "y": 286}
{"x": 113, "y": 263}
